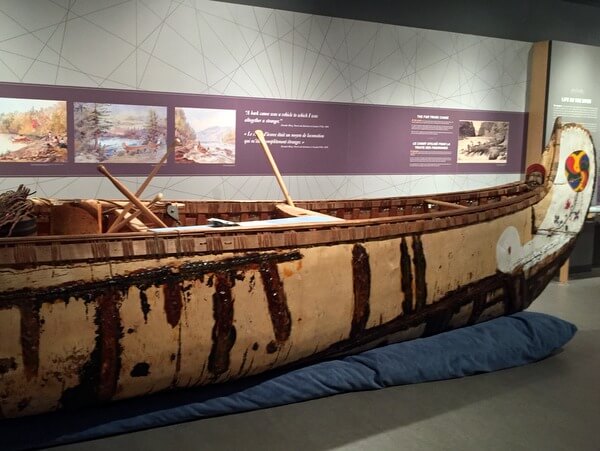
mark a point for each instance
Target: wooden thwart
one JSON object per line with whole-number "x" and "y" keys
{"x": 441, "y": 203}
{"x": 293, "y": 211}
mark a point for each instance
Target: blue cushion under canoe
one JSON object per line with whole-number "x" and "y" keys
{"x": 505, "y": 342}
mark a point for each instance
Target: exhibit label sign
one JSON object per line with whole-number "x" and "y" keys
{"x": 574, "y": 89}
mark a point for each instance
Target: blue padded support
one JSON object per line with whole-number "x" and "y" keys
{"x": 501, "y": 343}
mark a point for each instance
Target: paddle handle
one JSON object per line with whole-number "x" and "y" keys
{"x": 119, "y": 221}
{"x": 132, "y": 197}
{"x": 261, "y": 138}
{"x": 157, "y": 167}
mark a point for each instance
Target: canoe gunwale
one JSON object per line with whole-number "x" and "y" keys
{"x": 57, "y": 250}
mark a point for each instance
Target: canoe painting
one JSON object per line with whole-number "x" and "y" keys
{"x": 119, "y": 133}
{"x": 238, "y": 288}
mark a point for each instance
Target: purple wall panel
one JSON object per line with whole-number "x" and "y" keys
{"x": 306, "y": 137}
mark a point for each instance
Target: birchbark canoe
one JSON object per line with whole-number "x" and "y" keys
{"x": 89, "y": 317}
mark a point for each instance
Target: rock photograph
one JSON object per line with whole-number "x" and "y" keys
{"x": 483, "y": 142}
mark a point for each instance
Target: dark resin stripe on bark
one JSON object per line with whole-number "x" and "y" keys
{"x": 361, "y": 280}
{"x": 436, "y": 317}
{"x": 30, "y": 338}
{"x": 420, "y": 273}
{"x": 223, "y": 333}
{"x": 110, "y": 332}
{"x": 98, "y": 377}
{"x": 173, "y": 302}
{"x": 142, "y": 278}
{"x": 406, "y": 278}
{"x": 281, "y": 318}
{"x": 144, "y": 304}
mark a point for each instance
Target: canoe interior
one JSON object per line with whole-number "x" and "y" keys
{"x": 90, "y": 217}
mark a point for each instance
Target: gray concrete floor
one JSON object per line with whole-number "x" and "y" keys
{"x": 549, "y": 405}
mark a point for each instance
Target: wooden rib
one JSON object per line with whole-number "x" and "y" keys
{"x": 123, "y": 189}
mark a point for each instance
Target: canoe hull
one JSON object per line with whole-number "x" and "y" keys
{"x": 118, "y": 329}
{"x": 107, "y": 317}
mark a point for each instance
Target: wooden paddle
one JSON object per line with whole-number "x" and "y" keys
{"x": 119, "y": 221}
{"x": 132, "y": 197}
{"x": 134, "y": 214}
{"x": 261, "y": 138}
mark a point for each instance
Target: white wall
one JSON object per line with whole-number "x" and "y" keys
{"x": 207, "y": 47}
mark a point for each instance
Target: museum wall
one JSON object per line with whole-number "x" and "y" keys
{"x": 199, "y": 48}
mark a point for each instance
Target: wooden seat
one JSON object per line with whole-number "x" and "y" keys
{"x": 293, "y": 211}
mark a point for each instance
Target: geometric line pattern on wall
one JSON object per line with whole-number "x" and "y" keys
{"x": 206, "y": 47}
{"x": 218, "y": 48}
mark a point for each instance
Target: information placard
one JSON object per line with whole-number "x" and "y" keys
{"x": 574, "y": 90}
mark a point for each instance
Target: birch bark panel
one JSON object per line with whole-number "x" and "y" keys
{"x": 196, "y": 330}
{"x": 48, "y": 276}
{"x": 461, "y": 317}
{"x": 541, "y": 209}
{"x": 67, "y": 339}
{"x": 458, "y": 257}
{"x": 12, "y": 372}
{"x": 386, "y": 294}
{"x": 320, "y": 299}
{"x": 491, "y": 312}
{"x": 251, "y": 352}
{"x": 147, "y": 340}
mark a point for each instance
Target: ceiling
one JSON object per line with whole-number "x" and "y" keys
{"x": 524, "y": 20}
